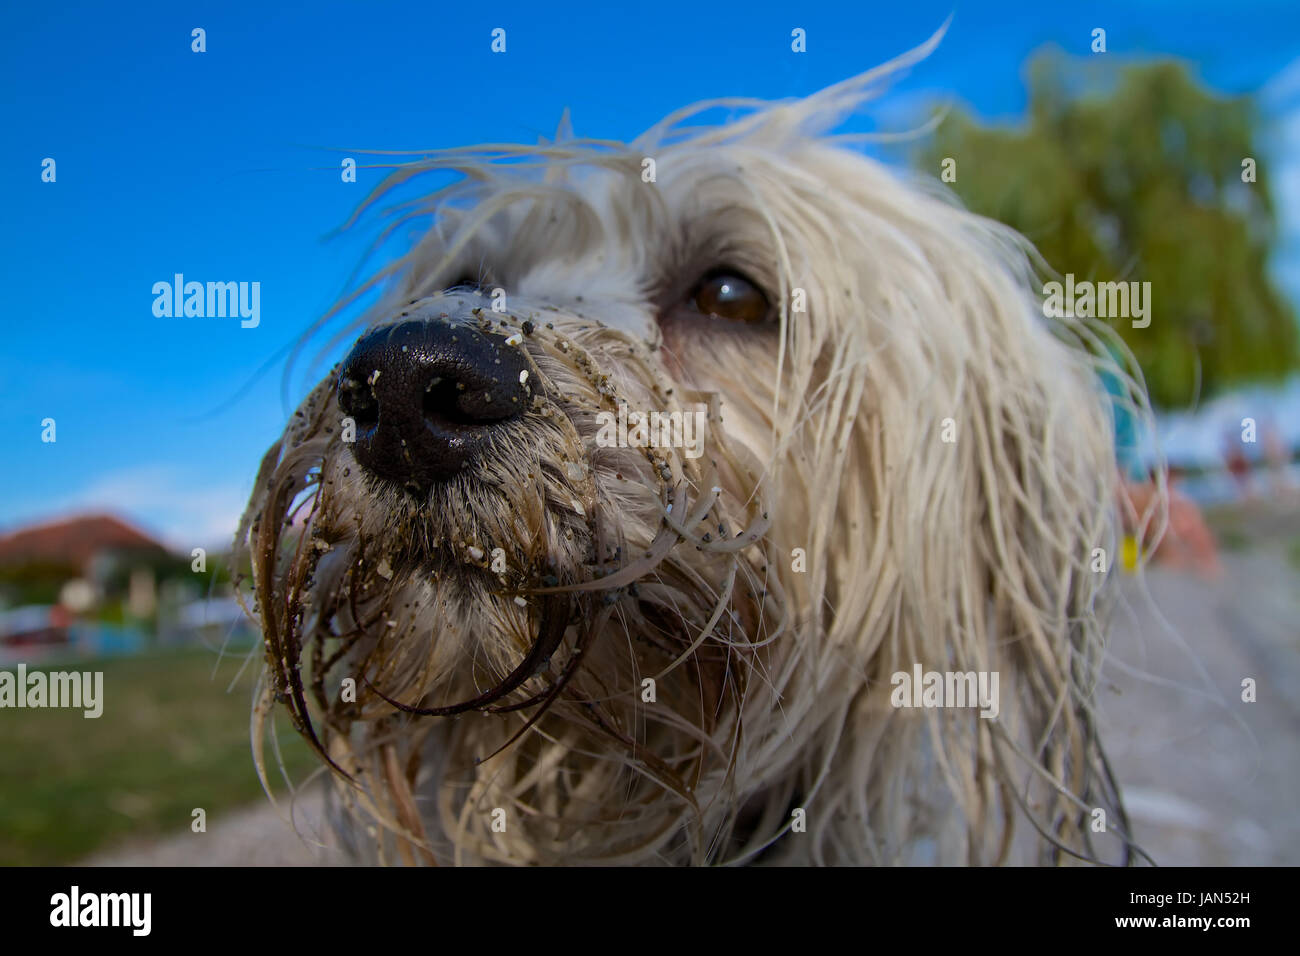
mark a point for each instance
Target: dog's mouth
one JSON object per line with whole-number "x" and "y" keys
{"x": 554, "y": 620}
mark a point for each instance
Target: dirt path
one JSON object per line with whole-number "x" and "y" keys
{"x": 258, "y": 835}
{"x": 1209, "y": 779}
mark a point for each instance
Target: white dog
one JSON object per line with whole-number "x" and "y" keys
{"x": 861, "y": 625}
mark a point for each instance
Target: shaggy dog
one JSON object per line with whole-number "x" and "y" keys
{"x": 520, "y": 633}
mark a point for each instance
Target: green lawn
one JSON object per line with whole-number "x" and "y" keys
{"x": 171, "y": 738}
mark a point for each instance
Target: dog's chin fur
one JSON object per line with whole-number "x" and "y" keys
{"x": 500, "y": 627}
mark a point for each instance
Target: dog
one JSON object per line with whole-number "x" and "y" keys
{"x": 517, "y": 632}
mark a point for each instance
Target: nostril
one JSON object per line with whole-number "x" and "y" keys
{"x": 470, "y": 401}
{"x": 440, "y": 404}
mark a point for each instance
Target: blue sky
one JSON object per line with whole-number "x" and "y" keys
{"x": 215, "y": 165}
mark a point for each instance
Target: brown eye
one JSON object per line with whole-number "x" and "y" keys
{"x": 730, "y": 296}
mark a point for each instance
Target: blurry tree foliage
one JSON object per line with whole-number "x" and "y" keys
{"x": 1137, "y": 175}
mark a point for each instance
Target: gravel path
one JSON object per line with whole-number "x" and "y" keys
{"x": 258, "y": 835}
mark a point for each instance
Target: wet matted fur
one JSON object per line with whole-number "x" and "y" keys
{"x": 500, "y": 626}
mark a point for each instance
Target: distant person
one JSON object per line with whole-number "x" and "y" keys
{"x": 1238, "y": 465}
{"x": 1278, "y": 456}
{"x": 1187, "y": 541}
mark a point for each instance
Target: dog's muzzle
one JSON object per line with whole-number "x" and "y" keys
{"x": 426, "y": 396}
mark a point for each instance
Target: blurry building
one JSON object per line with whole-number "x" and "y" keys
{"x": 57, "y": 573}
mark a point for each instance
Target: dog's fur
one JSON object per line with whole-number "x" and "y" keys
{"x": 772, "y": 685}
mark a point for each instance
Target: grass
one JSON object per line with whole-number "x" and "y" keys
{"x": 171, "y": 738}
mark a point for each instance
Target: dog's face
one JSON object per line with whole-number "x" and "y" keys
{"x": 573, "y": 635}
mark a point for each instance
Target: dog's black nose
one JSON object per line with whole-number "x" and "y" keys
{"x": 426, "y": 395}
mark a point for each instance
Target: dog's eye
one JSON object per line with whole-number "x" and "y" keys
{"x": 729, "y": 295}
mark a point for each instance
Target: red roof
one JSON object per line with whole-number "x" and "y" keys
{"x": 75, "y": 541}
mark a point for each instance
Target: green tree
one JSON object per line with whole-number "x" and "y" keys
{"x": 1142, "y": 181}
